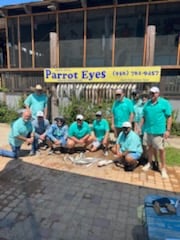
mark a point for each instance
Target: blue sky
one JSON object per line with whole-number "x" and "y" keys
{"x": 14, "y": 2}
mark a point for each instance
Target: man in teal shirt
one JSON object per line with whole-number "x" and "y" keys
{"x": 36, "y": 102}
{"x": 21, "y": 131}
{"x": 157, "y": 120}
{"x": 100, "y": 132}
{"x": 122, "y": 111}
{"x": 79, "y": 133}
{"x": 128, "y": 148}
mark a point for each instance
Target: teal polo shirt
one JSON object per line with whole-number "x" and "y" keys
{"x": 19, "y": 127}
{"x": 138, "y": 109}
{"x": 100, "y": 127}
{"x": 79, "y": 131}
{"x": 155, "y": 115}
{"x": 130, "y": 143}
{"x": 36, "y": 103}
{"x": 121, "y": 111}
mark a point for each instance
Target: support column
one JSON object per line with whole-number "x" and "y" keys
{"x": 54, "y": 64}
{"x": 150, "y": 45}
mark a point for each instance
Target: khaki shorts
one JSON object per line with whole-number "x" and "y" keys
{"x": 157, "y": 141}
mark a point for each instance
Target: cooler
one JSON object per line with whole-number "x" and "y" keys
{"x": 161, "y": 227}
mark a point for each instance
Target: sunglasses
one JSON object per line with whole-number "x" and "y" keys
{"x": 98, "y": 115}
{"x": 118, "y": 95}
{"x": 79, "y": 119}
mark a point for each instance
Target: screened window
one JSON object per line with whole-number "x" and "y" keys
{"x": 13, "y": 42}
{"x": 129, "y": 43}
{"x": 25, "y": 40}
{"x": 71, "y": 39}
{"x": 166, "y": 18}
{"x": 99, "y": 37}
{"x": 43, "y": 25}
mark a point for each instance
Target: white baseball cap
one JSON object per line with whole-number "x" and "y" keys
{"x": 79, "y": 117}
{"x": 127, "y": 124}
{"x": 40, "y": 114}
{"x": 154, "y": 90}
{"x": 119, "y": 91}
{"x": 98, "y": 113}
{"x": 38, "y": 87}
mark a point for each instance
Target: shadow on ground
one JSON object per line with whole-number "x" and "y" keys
{"x": 39, "y": 203}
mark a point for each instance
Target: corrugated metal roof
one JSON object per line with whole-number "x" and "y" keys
{"x": 4, "y": 3}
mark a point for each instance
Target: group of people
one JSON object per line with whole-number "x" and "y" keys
{"x": 151, "y": 119}
{"x": 140, "y": 125}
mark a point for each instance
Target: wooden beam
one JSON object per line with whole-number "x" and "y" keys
{"x": 85, "y": 39}
{"x": 178, "y": 51}
{"x": 150, "y": 45}
{"x": 53, "y": 49}
{"x": 3, "y": 13}
{"x": 27, "y": 9}
{"x": 114, "y": 36}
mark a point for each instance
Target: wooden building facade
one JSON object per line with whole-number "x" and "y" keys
{"x": 89, "y": 33}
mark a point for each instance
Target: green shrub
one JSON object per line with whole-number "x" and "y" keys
{"x": 175, "y": 130}
{"x": 87, "y": 109}
{"x": 7, "y": 115}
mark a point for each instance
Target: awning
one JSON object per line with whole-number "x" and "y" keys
{"x": 4, "y": 3}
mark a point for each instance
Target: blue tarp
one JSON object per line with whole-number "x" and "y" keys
{"x": 4, "y": 3}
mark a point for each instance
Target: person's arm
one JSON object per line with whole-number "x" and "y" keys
{"x": 45, "y": 112}
{"x": 131, "y": 117}
{"x": 168, "y": 129}
{"x": 27, "y": 102}
{"x": 112, "y": 123}
{"x": 106, "y": 137}
{"x": 140, "y": 126}
{"x": 26, "y": 139}
{"x": 50, "y": 133}
{"x": 74, "y": 139}
{"x": 85, "y": 137}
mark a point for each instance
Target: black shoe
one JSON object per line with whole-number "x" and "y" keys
{"x": 130, "y": 168}
{"x": 119, "y": 163}
{"x": 155, "y": 165}
{"x": 143, "y": 161}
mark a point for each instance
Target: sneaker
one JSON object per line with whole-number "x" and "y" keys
{"x": 146, "y": 167}
{"x": 106, "y": 153}
{"x": 164, "y": 173}
{"x": 32, "y": 153}
{"x": 37, "y": 153}
{"x": 50, "y": 152}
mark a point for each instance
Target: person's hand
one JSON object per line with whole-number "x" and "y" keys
{"x": 104, "y": 142}
{"x": 81, "y": 141}
{"x": 29, "y": 140}
{"x": 112, "y": 127}
{"x": 42, "y": 137}
{"x": 56, "y": 142}
{"x": 166, "y": 134}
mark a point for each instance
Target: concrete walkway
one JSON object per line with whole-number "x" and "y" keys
{"x": 46, "y": 197}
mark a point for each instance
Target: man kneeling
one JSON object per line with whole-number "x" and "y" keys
{"x": 79, "y": 134}
{"x": 128, "y": 148}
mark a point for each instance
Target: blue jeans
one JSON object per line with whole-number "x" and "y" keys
{"x": 11, "y": 154}
{"x": 35, "y": 144}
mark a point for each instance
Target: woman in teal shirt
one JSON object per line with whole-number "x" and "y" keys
{"x": 100, "y": 133}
